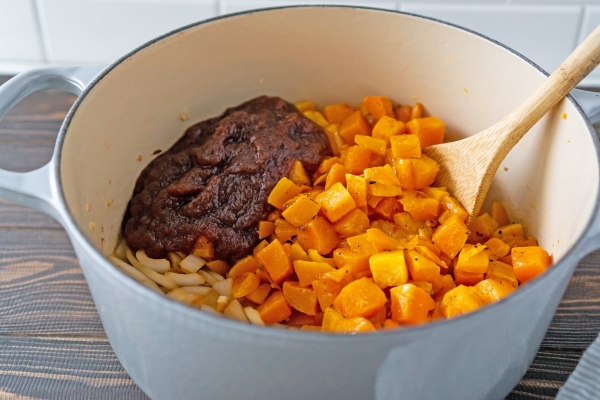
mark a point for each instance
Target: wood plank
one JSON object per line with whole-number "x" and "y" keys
{"x": 42, "y": 289}
{"x": 63, "y": 368}
{"x": 13, "y": 215}
{"x": 25, "y": 156}
{"x": 577, "y": 321}
{"x": 548, "y": 372}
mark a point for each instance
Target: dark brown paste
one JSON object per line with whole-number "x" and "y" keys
{"x": 216, "y": 179}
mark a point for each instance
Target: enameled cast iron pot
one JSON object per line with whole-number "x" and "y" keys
{"x": 549, "y": 181}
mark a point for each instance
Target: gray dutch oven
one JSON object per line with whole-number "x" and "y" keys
{"x": 126, "y": 111}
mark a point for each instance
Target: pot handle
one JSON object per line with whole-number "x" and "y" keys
{"x": 589, "y": 103}
{"x": 38, "y": 189}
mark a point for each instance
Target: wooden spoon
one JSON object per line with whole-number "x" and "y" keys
{"x": 468, "y": 166}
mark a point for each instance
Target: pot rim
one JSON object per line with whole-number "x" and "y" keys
{"x": 193, "y": 314}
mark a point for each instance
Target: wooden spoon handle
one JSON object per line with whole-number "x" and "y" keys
{"x": 576, "y": 67}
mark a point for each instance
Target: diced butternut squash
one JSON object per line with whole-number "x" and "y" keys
{"x": 353, "y": 125}
{"x": 379, "y": 106}
{"x": 336, "y": 202}
{"x": 203, "y": 248}
{"x": 337, "y": 173}
{"x": 361, "y": 298}
{"x": 405, "y": 146}
{"x": 481, "y": 228}
{"x": 388, "y": 207}
{"x": 498, "y": 212}
{"x": 352, "y": 224}
{"x": 283, "y": 191}
{"x": 358, "y": 263}
{"x": 381, "y": 241}
{"x": 361, "y": 244}
{"x": 336, "y": 142}
{"x": 421, "y": 268}
{"x": 305, "y": 106}
{"x": 501, "y": 271}
{"x": 403, "y": 113}
{"x": 284, "y": 230}
{"x": 326, "y": 165}
{"x": 275, "y": 261}
{"x": 298, "y": 174}
{"x": 424, "y": 171}
{"x": 419, "y": 205}
{"x": 357, "y": 159}
{"x": 451, "y": 236}
{"x": 410, "y": 304}
{"x": 331, "y": 318}
{"x": 318, "y": 234}
{"x": 467, "y": 278}
{"x": 357, "y": 187}
{"x": 326, "y": 289}
{"x": 337, "y": 113}
{"x": 246, "y": 264}
{"x": 315, "y": 256}
{"x": 260, "y": 294}
{"x": 301, "y": 298}
{"x": 430, "y": 130}
{"x": 473, "y": 258}
{"x": 387, "y": 127}
{"x": 316, "y": 117}
{"x": 244, "y": 284}
{"x": 443, "y": 285}
{"x": 460, "y": 300}
{"x": 389, "y": 268}
{"x": 404, "y": 172}
{"x": 308, "y": 271}
{"x": 491, "y": 290}
{"x": 265, "y": 228}
{"x": 377, "y": 146}
{"x": 354, "y": 325}
{"x": 529, "y": 262}
{"x": 497, "y": 248}
{"x": 301, "y": 211}
{"x": 417, "y": 111}
{"x": 454, "y": 207}
{"x": 275, "y": 309}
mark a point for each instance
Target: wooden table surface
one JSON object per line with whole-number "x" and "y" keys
{"x": 52, "y": 344}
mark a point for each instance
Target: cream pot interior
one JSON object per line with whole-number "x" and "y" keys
{"x": 333, "y": 55}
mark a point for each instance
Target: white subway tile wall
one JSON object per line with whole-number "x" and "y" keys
{"x": 49, "y": 32}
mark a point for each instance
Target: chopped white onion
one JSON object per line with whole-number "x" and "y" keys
{"x": 224, "y": 287}
{"x": 235, "y": 311}
{"x": 222, "y": 302}
{"x": 150, "y": 273}
{"x": 186, "y": 279}
{"x": 203, "y": 290}
{"x": 253, "y": 316}
{"x": 191, "y": 264}
{"x": 161, "y": 265}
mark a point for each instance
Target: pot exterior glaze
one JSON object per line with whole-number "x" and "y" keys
{"x": 144, "y": 102}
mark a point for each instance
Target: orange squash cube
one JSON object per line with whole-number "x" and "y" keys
{"x": 529, "y": 262}
{"x": 244, "y": 284}
{"x": 421, "y": 268}
{"x": 298, "y": 174}
{"x": 326, "y": 165}
{"x": 424, "y": 171}
{"x": 376, "y": 146}
{"x": 497, "y": 248}
{"x": 337, "y": 173}
{"x": 275, "y": 309}
{"x": 331, "y": 318}
{"x": 308, "y": 271}
{"x": 451, "y": 236}
{"x": 388, "y": 268}
{"x": 301, "y": 211}
{"x": 336, "y": 202}
{"x": 454, "y": 207}
{"x": 357, "y": 187}
{"x": 501, "y": 271}
{"x": 498, "y": 212}
{"x": 300, "y": 298}
{"x": 443, "y": 285}
{"x": 298, "y": 253}
{"x": 410, "y": 304}
{"x": 357, "y": 159}
{"x": 305, "y": 106}
{"x": 491, "y": 290}
{"x": 358, "y": 263}
{"x": 275, "y": 261}
{"x": 336, "y": 142}
{"x": 326, "y": 289}
{"x": 473, "y": 258}
{"x": 354, "y": 325}
{"x": 283, "y": 191}
{"x": 430, "y": 130}
{"x": 388, "y": 207}
{"x": 353, "y": 125}
{"x": 405, "y": 146}
{"x": 319, "y": 235}
{"x": 481, "y": 228}
{"x": 361, "y": 244}
{"x": 265, "y": 228}
{"x": 467, "y": 278}
{"x": 379, "y": 106}
{"x": 387, "y": 127}
{"x": 404, "y": 172}
{"x": 437, "y": 193}
{"x": 381, "y": 241}
{"x": 316, "y": 117}
{"x": 361, "y": 298}
{"x": 284, "y": 230}
{"x": 260, "y": 294}
{"x": 403, "y": 113}
{"x": 352, "y": 224}
{"x": 421, "y": 207}
{"x": 460, "y": 300}
{"x": 246, "y": 264}
{"x": 337, "y": 113}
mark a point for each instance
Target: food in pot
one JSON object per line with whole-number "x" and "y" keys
{"x": 215, "y": 180}
{"x": 359, "y": 242}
